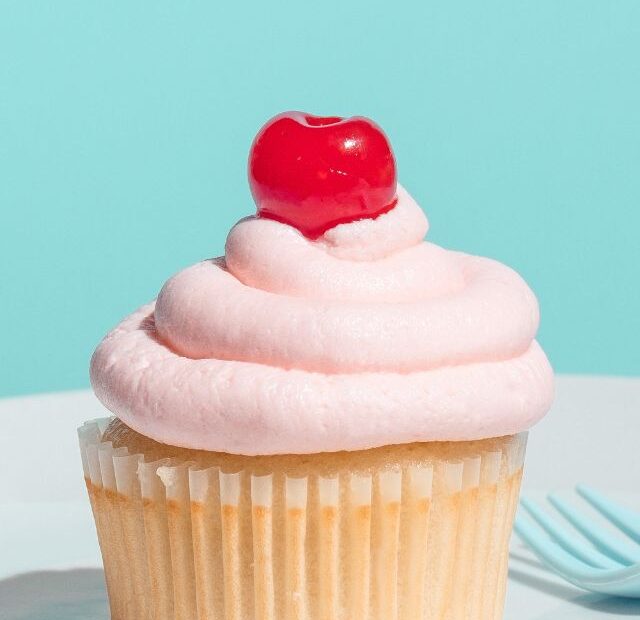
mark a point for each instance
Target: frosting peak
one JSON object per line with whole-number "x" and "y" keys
{"x": 369, "y": 239}
{"x": 365, "y": 336}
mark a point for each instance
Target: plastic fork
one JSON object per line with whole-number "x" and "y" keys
{"x": 605, "y": 564}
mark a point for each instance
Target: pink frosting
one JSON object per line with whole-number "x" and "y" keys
{"x": 367, "y": 336}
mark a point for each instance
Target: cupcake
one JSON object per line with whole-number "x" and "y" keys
{"x": 329, "y": 421}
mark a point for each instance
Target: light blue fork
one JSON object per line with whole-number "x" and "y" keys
{"x": 607, "y": 566}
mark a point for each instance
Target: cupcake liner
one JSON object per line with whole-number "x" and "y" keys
{"x": 427, "y": 540}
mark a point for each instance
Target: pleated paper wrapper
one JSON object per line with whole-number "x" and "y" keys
{"x": 420, "y": 541}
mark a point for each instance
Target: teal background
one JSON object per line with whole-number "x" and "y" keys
{"x": 125, "y": 126}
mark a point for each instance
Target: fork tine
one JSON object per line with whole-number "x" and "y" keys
{"x": 625, "y": 519}
{"x": 602, "y": 539}
{"x": 622, "y": 581}
{"x": 551, "y": 553}
{"x": 571, "y": 544}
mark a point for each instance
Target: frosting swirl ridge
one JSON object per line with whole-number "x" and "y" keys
{"x": 365, "y": 336}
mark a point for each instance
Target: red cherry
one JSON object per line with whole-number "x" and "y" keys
{"x": 315, "y": 172}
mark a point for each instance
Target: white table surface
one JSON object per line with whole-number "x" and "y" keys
{"x": 592, "y": 435}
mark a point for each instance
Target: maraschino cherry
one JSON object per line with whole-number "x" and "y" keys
{"x": 315, "y": 172}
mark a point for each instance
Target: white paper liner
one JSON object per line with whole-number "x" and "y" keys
{"x": 422, "y": 542}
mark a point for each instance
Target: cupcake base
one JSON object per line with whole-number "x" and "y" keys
{"x": 410, "y": 532}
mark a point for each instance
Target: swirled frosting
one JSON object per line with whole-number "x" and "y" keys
{"x": 364, "y": 337}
